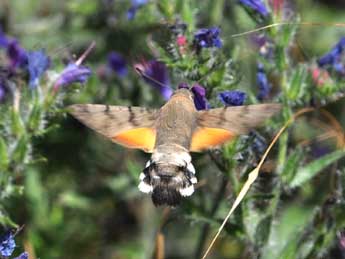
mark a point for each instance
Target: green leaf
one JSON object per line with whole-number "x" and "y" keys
{"x": 35, "y": 118}
{"x": 21, "y": 150}
{"x": 307, "y": 172}
{"x": 4, "y": 160}
{"x": 291, "y": 165}
{"x": 17, "y": 123}
{"x": 297, "y": 83}
{"x": 263, "y": 231}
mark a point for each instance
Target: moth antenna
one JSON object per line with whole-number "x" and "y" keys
{"x": 85, "y": 54}
{"x": 142, "y": 73}
{"x": 286, "y": 23}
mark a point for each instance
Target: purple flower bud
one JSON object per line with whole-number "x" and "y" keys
{"x": 24, "y": 255}
{"x": 117, "y": 63}
{"x": 17, "y": 55}
{"x": 155, "y": 73}
{"x": 207, "y": 38}
{"x": 232, "y": 98}
{"x": 72, "y": 74}
{"x": 7, "y": 244}
{"x": 200, "y": 100}
{"x": 262, "y": 82}
{"x": 38, "y": 63}
{"x": 257, "y": 6}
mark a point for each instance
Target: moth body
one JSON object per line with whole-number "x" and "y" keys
{"x": 169, "y": 174}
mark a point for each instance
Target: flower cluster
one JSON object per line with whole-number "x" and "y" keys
{"x": 262, "y": 82}
{"x": 36, "y": 63}
{"x": 207, "y": 38}
{"x": 8, "y": 245}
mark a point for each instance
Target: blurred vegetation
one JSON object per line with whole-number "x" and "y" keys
{"x": 76, "y": 193}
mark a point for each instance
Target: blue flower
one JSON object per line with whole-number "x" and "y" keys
{"x": 24, "y": 255}
{"x": 334, "y": 57}
{"x": 136, "y": 4}
{"x": 72, "y": 74}
{"x": 38, "y": 63}
{"x": 262, "y": 82}
{"x": 257, "y": 6}
{"x": 17, "y": 55}
{"x": 156, "y": 74}
{"x": 200, "y": 100}
{"x": 3, "y": 89}
{"x": 7, "y": 244}
{"x": 232, "y": 98}
{"x": 117, "y": 63}
{"x": 207, "y": 38}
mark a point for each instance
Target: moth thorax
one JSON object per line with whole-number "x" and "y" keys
{"x": 167, "y": 180}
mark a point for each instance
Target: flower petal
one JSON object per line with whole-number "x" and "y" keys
{"x": 232, "y": 98}
{"x": 73, "y": 74}
{"x": 38, "y": 63}
{"x": 255, "y": 5}
{"x": 7, "y": 244}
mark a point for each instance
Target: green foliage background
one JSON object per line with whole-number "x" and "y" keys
{"x": 76, "y": 193}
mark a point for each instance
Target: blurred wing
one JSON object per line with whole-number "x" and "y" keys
{"x": 217, "y": 126}
{"x": 132, "y": 127}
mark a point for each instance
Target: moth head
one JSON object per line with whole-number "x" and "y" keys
{"x": 167, "y": 183}
{"x": 184, "y": 92}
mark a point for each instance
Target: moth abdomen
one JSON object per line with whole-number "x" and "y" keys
{"x": 168, "y": 178}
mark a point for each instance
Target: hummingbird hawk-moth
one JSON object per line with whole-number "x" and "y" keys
{"x": 170, "y": 134}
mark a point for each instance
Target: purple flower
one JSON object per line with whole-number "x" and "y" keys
{"x": 200, "y": 100}
{"x": 24, "y": 255}
{"x": 334, "y": 57}
{"x": 38, "y": 63}
{"x": 136, "y": 4}
{"x": 257, "y": 6}
{"x": 3, "y": 39}
{"x": 232, "y": 98}
{"x": 17, "y": 55}
{"x": 7, "y": 244}
{"x": 262, "y": 82}
{"x": 117, "y": 63}
{"x": 207, "y": 38}
{"x": 72, "y": 74}
{"x": 156, "y": 74}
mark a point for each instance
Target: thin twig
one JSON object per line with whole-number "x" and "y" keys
{"x": 206, "y": 228}
{"x": 253, "y": 175}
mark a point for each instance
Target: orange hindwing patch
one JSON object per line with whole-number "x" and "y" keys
{"x": 204, "y": 138}
{"x": 142, "y": 138}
